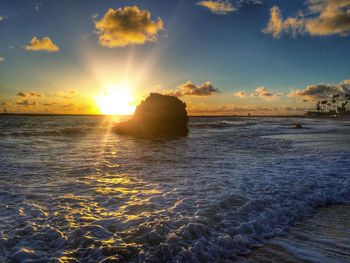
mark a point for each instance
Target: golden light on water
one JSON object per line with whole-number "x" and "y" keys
{"x": 116, "y": 101}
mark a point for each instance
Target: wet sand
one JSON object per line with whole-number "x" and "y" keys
{"x": 324, "y": 237}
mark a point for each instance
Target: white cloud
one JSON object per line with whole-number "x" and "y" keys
{"x": 262, "y": 92}
{"x": 44, "y": 44}
{"x": 240, "y": 94}
{"x": 322, "y": 18}
{"x": 219, "y": 7}
{"x": 127, "y": 26}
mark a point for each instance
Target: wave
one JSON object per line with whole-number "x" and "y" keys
{"x": 222, "y": 124}
{"x": 224, "y": 231}
{"x": 212, "y": 197}
{"x": 56, "y": 132}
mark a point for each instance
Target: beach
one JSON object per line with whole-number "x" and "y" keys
{"x": 234, "y": 190}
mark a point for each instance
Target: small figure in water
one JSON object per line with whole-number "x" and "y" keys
{"x": 298, "y": 126}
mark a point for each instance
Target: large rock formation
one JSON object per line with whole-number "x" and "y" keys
{"x": 158, "y": 115}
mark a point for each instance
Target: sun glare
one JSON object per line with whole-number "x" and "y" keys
{"x": 116, "y": 101}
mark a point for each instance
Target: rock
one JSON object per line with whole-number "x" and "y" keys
{"x": 298, "y": 126}
{"x": 158, "y": 115}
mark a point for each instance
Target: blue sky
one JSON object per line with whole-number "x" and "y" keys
{"x": 229, "y": 50}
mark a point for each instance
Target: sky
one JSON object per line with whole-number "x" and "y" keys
{"x": 221, "y": 57}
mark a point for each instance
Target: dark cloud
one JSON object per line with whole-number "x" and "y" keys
{"x": 26, "y": 103}
{"x": 191, "y": 89}
{"x": 321, "y": 91}
{"x": 22, "y": 94}
{"x": 49, "y": 104}
{"x": 30, "y": 94}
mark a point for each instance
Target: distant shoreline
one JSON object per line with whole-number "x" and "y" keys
{"x": 191, "y": 116}
{"x": 103, "y": 115}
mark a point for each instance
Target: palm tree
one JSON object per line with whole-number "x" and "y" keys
{"x": 347, "y": 98}
{"x": 336, "y": 100}
{"x": 318, "y": 107}
{"x": 333, "y": 101}
{"x": 324, "y": 102}
{"x": 329, "y": 106}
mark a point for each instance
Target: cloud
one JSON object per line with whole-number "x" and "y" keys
{"x": 70, "y": 93}
{"x": 321, "y": 91}
{"x": 240, "y": 94}
{"x": 333, "y": 17}
{"x": 219, "y": 7}
{"x": 206, "y": 89}
{"x": 262, "y": 92}
{"x": 65, "y": 94}
{"x": 69, "y": 105}
{"x": 127, "y": 26}
{"x": 2, "y": 60}
{"x": 49, "y": 104}
{"x": 26, "y": 103}
{"x": 275, "y": 25}
{"x": 322, "y": 18}
{"x": 177, "y": 93}
{"x": 30, "y": 94}
{"x": 191, "y": 89}
{"x": 45, "y": 44}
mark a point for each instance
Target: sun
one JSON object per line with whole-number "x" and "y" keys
{"x": 116, "y": 101}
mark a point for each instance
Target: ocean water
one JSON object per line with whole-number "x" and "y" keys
{"x": 73, "y": 191}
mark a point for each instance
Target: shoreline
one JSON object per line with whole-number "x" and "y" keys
{"x": 191, "y": 116}
{"x": 320, "y": 237}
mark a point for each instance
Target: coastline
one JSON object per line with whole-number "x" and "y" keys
{"x": 191, "y": 116}
{"x": 322, "y": 237}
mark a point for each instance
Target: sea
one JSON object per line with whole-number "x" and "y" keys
{"x": 236, "y": 189}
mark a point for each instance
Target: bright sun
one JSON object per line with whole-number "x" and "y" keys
{"x": 116, "y": 101}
